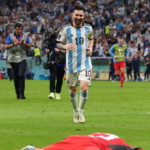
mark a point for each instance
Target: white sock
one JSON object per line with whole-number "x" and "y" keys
{"x": 74, "y": 101}
{"x": 83, "y": 99}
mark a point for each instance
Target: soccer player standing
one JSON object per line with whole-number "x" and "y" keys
{"x": 77, "y": 39}
{"x": 119, "y": 51}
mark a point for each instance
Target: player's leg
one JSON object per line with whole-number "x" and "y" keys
{"x": 113, "y": 71}
{"x": 22, "y": 69}
{"x": 40, "y": 60}
{"x": 83, "y": 99}
{"x": 60, "y": 74}
{"x": 15, "y": 67}
{"x": 52, "y": 81}
{"x": 36, "y": 60}
{"x": 85, "y": 79}
{"x": 71, "y": 81}
{"x": 138, "y": 73}
{"x": 122, "y": 70}
{"x": 145, "y": 74}
{"x": 135, "y": 75}
{"x": 128, "y": 73}
{"x": 117, "y": 71}
{"x": 148, "y": 73}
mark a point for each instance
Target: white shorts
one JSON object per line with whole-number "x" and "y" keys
{"x": 73, "y": 78}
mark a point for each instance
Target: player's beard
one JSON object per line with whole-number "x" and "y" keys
{"x": 78, "y": 22}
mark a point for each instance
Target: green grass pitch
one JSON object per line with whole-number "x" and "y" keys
{"x": 41, "y": 121}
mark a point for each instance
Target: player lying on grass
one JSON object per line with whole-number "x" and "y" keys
{"x": 95, "y": 141}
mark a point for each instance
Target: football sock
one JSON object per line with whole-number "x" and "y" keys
{"x": 122, "y": 78}
{"x": 83, "y": 99}
{"x": 74, "y": 101}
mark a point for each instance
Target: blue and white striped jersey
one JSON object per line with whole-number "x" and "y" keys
{"x": 76, "y": 60}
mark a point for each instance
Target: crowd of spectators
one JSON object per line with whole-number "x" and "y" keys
{"x": 110, "y": 19}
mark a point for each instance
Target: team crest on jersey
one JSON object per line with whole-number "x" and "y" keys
{"x": 85, "y": 35}
{"x": 59, "y": 36}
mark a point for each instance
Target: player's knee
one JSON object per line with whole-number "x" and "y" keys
{"x": 122, "y": 71}
{"x": 73, "y": 90}
{"x": 84, "y": 89}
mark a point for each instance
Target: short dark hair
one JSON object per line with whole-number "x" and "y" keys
{"x": 121, "y": 38}
{"x": 78, "y": 7}
{"x": 18, "y": 25}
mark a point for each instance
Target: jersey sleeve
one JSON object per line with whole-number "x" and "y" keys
{"x": 127, "y": 52}
{"x": 90, "y": 37}
{"x": 62, "y": 36}
{"x": 8, "y": 41}
{"x": 28, "y": 40}
{"x": 111, "y": 51}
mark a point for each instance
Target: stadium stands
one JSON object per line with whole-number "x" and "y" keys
{"x": 109, "y": 19}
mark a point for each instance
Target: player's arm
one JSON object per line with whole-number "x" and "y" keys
{"x": 90, "y": 48}
{"x": 127, "y": 55}
{"x": 59, "y": 50}
{"x": 127, "y": 52}
{"x": 8, "y": 44}
{"x": 111, "y": 51}
{"x": 90, "y": 43}
{"x": 66, "y": 47}
{"x": 61, "y": 39}
{"x": 27, "y": 43}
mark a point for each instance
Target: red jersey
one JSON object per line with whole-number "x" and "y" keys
{"x": 95, "y": 141}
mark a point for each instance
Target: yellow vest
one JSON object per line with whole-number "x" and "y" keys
{"x": 120, "y": 51}
{"x": 107, "y": 31}
{"x": 36, "y": 52}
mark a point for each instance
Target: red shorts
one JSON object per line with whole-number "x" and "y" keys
{"x": 119, "y": 65}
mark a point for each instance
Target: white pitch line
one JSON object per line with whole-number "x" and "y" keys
{"x": 147, "y": 113}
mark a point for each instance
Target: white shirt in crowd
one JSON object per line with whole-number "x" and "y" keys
{"x": 146, "y": 51}
{"x": 133, "y": 51}
{"x": 100, "y": 49}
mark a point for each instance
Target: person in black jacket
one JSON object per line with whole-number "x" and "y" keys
{"x": 111, "y": 70}
{"x": 129, "y": 70}
{"x": 136, "y": 66}
{"x": 147, "y": 64}
{"x": 56, "y": 71}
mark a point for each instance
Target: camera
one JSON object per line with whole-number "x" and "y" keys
{"x": 50, "y": 41}
{"x": 49, "y": 64}
{"x": 50, "y": 38}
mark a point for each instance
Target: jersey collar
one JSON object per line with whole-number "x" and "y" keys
{"x": 119, "y": 44}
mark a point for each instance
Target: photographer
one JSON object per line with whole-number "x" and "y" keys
{"x": 17, "y": 43}
{"x": 55, "y": 64}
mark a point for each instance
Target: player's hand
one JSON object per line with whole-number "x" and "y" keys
{"x": 70, "y": 47}
{"x": 115, "y": 57}
{"x": 17, "y": 43}
{"x": 57, "y": 50}
{"x": 89, "y": 52}
{"x": 23, "y": 43}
